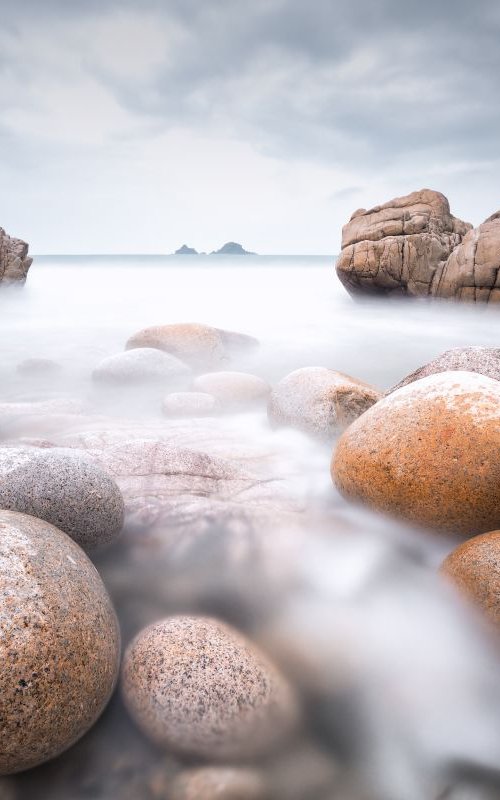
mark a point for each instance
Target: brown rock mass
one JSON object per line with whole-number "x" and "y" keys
{"x": 14, "y": 259}
{"x": 472, "y": 272}
{"x": 398, "y": 247}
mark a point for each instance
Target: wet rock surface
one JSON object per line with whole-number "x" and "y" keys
{"x": 197, "y": 686}
{"x": 65, "y": 488}
{"x": 59, "y": 645}
{"x": 484, "y": 360}
{"x": 428, "y": 453}
{"x": 474, "y": 567}
{"x": 200, "y": 346}
{"x": 319, "y": 401}
{"x": 399, "y": 247}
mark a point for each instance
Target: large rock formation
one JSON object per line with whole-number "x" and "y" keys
{"x": 399, "y": 247}
{"x": 14, "y": 259}
{"x": 472, "y": 272}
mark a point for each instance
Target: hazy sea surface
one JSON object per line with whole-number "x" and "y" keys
{"x": 294, "y": 304}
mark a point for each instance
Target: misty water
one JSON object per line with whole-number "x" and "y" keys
{"x": 358, "y": 595}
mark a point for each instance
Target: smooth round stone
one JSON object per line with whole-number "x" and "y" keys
{"x": 484, "y": 360}
{"x": 233, "y": 389}
{"x": 190, "y": 404}
{"x": 219, "y": 783}
{"x": 197, "y": 686}
{"x": 142, "y": 366}
{"x": 59, "y": 642}
{"x": 319, "y": 401}
{"x": 201, "y": 346}
{"x": 474, "y": 567}
{"x": 63, "y": 487}
{"x": 428, "y": 453}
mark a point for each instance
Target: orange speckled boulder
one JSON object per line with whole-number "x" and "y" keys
{"x": 475, "y": 568}
{"x": 428, "y": 453}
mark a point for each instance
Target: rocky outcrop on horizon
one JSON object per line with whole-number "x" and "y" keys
{"x": 186, "y": 251}
{"x": 472, "y": 272}
{"x": 14, "y": 259}
{"x": 399, "y": 247}
{"x": 232, "y": 249}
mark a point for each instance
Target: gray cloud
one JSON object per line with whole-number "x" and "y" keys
{"x": 403, "y": 90}
{"x": 332, "y": 80}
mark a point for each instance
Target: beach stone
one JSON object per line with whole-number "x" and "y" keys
{"x": 319, "y": 401}
{"x": 474, "y": 567}
{"x": 14, "y": 259}
{"x": 142, "y": 366}
{"x": 399, "y": 247}
{"x": 472, "y": 271}
{"x": 197, "y": 686}
{"x": 484, "y": 360}
{"x": 200, "y": 346}
{"x": 233, "y": 389}
{"x": 63, "y": 487}
{"x": 428, "y": 453}
{"x": 219, "y": 783}
{"x": 59, "y": 642}
{"x": 190, "y": 404}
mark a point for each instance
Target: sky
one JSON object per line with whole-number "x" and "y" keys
{"x": 138, "y": 126}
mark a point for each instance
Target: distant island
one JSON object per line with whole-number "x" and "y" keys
{"x": 186, "y": 251}
{"x": 228, "y": 249}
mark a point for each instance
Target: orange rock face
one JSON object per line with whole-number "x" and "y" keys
{"x": 475, "y": 568}
{"x": 428, "y": 453}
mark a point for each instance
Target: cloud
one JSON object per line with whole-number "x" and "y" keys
{"x": 383, "y": 96}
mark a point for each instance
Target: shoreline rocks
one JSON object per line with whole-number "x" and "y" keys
{"x": 483, "y": 360}
{"x": 428, "y": 453}
{"x": 319, "y": 401}
{"x": 59, "y": 643}
{"x": 400, "y": 246}
{"x": 64, "y": 488}
{"x": 233, "y": 390}
{"x": 220, "y": 783}
{"x": 197, "y": 686}
{"x": 474, "y": 568}
{"x": 145, "y": 365}
{"x": 200, "y": 346}
{"x": 472, "y": 272}
{"x": 14, "y": 260}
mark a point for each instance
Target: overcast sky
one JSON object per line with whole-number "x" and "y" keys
{"x": 139, "y": 126}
